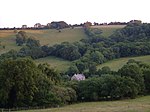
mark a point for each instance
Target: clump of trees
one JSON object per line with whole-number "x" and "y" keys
{"x": 131, "y": 80}
{"x": 64, "y": 50}
{"x": 21, "y": 38}
{"x": 23, "y": 84}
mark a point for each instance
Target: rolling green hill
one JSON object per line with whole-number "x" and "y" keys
{"x": 52, "y": 36}
{"x": 118, "y": 63}
{"x": 141, "y": 104}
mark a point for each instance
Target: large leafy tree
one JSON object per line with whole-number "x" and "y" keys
{"x": 21, "y": 38}
{"x": 17, "y": 82}
{"x": 133, "y": 71}
{"x": 118, "y": 87}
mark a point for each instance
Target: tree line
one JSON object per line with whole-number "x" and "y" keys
{"x": 24, "y": 84}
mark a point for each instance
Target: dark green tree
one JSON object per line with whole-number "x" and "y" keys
{"x": 17, "y": 81}
{"x": 133, "y": 70}
{"x": 21, "y": 38}
{"x": 51, "y": 73}
{"x": 97, "y": 57}
{"x": 72, "y": 70}
{"x": 31, "y": 42}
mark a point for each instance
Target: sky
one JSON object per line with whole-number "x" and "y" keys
{"x": 15, "y": 13}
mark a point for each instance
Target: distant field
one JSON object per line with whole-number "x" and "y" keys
{"x": 141, "y": 104}
{"x": 52, "y": 36}
{"x": 46, "y": 37}
{"x": 108, "y": 29}
{"x": 118, "y": 63}
{"x": 59, "y": 64}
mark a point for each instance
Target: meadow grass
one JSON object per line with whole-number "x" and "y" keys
{"x": 108, "y": 29}
{"x": 57, "y": 63}
{"x": 141, "y": 104}
{"x": 118, "y": 63}
{"x": 46, "y": 37}
{"x": 52, "y": 36}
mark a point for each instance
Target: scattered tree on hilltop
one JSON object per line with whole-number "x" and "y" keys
{"x": 21, "y": 38}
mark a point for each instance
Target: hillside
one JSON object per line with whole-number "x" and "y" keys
{"x": 118, "y": 63}
{"x": 134, "y": 105}
{"x": 107, "y": 30}
{"x": 50, "y": 37}
{"x": 7, "y": 39}
{"x": 58, "y": 63}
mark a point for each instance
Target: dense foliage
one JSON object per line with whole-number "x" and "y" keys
{"x": 131, "y": 80}
{"x": 23, "y": 83}
{"x": 132, "y": 40}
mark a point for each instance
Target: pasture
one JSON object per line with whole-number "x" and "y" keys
{"x": 53, "y": 36}
{"x": 46, "y": 37}
{"x": 141, "y": 104}
{"x": 118, "y": 63}
{"x": 57, "y": 63}
{"x": 108, "y": 29}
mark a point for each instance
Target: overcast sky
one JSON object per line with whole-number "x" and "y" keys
{"x": 15, "y": 13}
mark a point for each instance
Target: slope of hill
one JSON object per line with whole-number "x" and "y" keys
{"x": 118, "y": 63}
{"x": 52, "y": 36}
{"x": 7, "y": 39}
{"x": 108, "y": 29}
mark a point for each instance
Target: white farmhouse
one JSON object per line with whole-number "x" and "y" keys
{"x": 78, "y": 77}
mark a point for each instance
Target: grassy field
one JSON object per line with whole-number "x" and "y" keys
{"x": 141, "y": 104}
{"x": 52, "y": 36}
{"x": 108, "y": 29}
{"x": 59, "y": 64}
{"x": 46, "y": 37}
{"x": 7, "y": 39}
{"x": 118, "y": 63}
